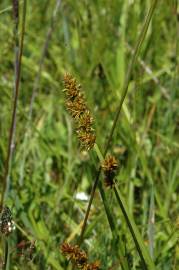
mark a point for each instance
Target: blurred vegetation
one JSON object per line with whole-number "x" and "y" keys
{"x": 94, "y": 40}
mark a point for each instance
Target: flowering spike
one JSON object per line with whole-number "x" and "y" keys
{"x": 78, "y": 257}
{"x": 109, "y": 166}
{"x": 76, "y": 105}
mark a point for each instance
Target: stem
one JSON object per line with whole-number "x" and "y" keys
{"x": 36, "y": 85}
{"x": 18, "y": 59}
{"x": 123, "y": 95}
{"x": 6, "y": 254}
{"x": 112, "y": 224}
{"x": 89, "y": 207}
{"x": 44, "y": 52}
{"x": 146, "y": 260}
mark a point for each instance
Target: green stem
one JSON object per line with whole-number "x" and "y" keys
{"x": 123, "y": 95}
{"x": 112, "y": 224}
{"x": 146, "y": 260}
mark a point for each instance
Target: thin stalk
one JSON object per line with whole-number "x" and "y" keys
{"x": 112, "y": 224}
{"x": 149, "y": 71}
{"x": 121, "y": 251}
{"x": 151, "y": 223}
{"x": 6, "y": 254}
{"x": 143, "y": 253}
{"x": 18, "y": 59}
{"x": 110, "y": 218}
{"x": 44, "y": 52}
{"x": 36, "y": 84}
{"x": 146, "y": 260}
{"x": 123, "y": 95}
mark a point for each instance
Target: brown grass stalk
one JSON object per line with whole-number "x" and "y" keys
{"x": 18, "y": 60}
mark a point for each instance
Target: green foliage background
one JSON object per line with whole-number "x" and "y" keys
{"x": 93, "y": 40}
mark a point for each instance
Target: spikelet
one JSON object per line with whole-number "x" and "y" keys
{"x": 74, "y": 254}
{"x": 78, "y": 257}
{"x": 109, "y": 167}
{"x": 76, "y": 105}
{"x": 92, "y": 266}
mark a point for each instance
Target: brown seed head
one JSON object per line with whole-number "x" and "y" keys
{"x": 78, "y": 257}
{"x": 85, "y": 121}
{"x": 87, "y": 139}
{"x": 72, "y": 89}
{"x": 74, "y": 254}
{"x": 109, "y": 164}
{"x": 78, "y": 109}
{"x": 91, "y": 266}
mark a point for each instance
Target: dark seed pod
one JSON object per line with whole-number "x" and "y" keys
{"x": 6, "y": 222}
{"x": 109, "y": 167}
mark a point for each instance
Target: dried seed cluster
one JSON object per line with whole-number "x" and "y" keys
{"x": 6, "y": 222}
{"x": 78, "y": 109}
{"x": 109, "y": 167}
{"x": 78, "y": 257}
{"x": 26, "y": 249}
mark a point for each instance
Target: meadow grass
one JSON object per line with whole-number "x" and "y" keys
{"x": 128, "y": 69}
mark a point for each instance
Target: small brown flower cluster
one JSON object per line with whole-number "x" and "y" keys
{"x": 78, "y": 257}
{"x": 78, "y": 109}
{"x": 109, "y": 167}
{"x": 26, "y": 249}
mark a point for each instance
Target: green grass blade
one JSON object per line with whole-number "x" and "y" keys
{"x": 146, "y": 260}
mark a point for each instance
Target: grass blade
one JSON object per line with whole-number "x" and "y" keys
{"x": 146, "y": 260}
